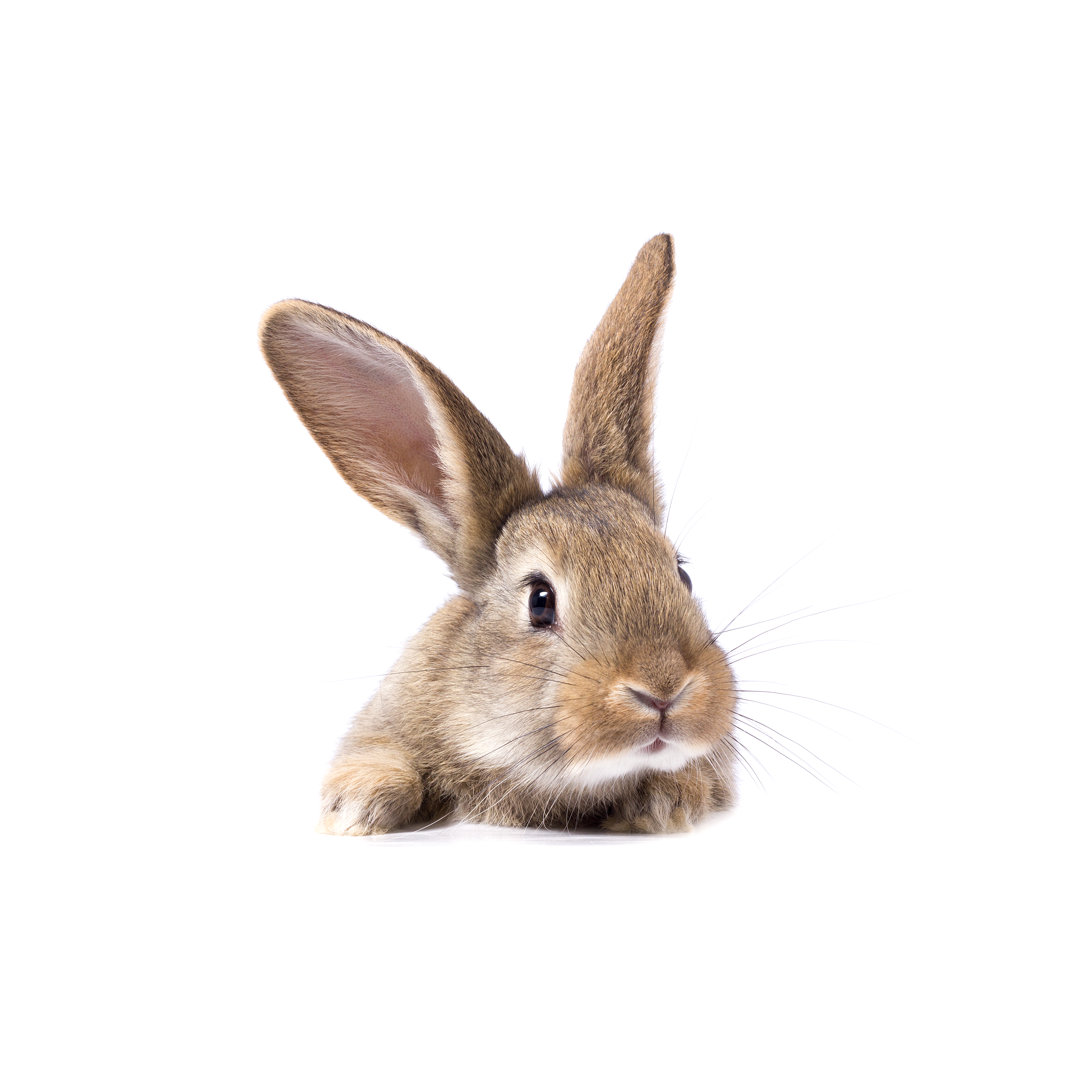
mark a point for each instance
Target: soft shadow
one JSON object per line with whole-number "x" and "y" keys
{"x": 449, "y": 831}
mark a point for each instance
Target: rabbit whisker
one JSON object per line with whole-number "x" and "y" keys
{"x": 519, "y": 712}
{"x": 435, "y": 821}
{"x": 547, "y": 679}
{"x": 410, "y": 671}
{"x": 518, "y": 738}
{"x": 788, "y": 645}
{"x": 744, "y": 691}
{"x": 746, "y": 755}
{"x": 791, "y": 712}
{"x": 560, "y": 761}
{"x": 772, "y": 745}
{"x": 674, "y": 489}
{"x": 762, "y": 622}
{"x": 556, "y": 794}
{"x": 688, "y": 527}
{"x": 736, "y": 752}
{"x": 773, "y": 733}
{"x": 597, "y": 634}
{"x": 565, "y": 675}
{"x": 775, "y": 580}
{"x": 520, "y": 764}
{"x": 562, "y": 639}
{"x": 798, "y": 617}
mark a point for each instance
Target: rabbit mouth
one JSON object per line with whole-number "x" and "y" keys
{"x": 661, "y": 755}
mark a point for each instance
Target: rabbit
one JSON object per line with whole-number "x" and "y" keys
{"x": 573, "y": 681}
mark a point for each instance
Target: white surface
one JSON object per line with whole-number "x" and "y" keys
{"x": 869, "y": 358}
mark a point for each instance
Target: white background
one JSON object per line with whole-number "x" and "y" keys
{"x": 869, "y": 367}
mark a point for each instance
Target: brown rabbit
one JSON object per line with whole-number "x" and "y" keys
{"x": 573, "y": 681}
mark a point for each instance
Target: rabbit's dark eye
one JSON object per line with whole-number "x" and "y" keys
{"x": 685, "y": 577}
{"x": 542, "y": 604}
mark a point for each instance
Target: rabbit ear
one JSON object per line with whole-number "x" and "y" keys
{"x": 608, "y": 434}
{"x": 399, "y": 431}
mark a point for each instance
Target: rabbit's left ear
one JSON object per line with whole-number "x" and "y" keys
{"x": 608, "y": 434}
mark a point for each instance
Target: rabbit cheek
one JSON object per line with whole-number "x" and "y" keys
{"x": 705, "y": 717}
{"x": 599, "y": 735}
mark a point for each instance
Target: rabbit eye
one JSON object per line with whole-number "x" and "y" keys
{"x": 542, "y": 604}
{"x": 685, "y": 578}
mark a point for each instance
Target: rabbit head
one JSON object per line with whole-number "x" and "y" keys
{"x": 575, "y": 678}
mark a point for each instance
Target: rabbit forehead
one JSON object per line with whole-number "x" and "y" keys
{"x": 582, "y": 532}
{"x": 607, "y": 559}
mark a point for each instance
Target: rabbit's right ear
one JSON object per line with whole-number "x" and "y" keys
{"x": 399, "y": 432}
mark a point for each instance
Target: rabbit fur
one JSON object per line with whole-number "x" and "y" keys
{"x": 573, "y": 680}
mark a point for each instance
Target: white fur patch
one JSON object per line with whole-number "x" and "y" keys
{"x": 588, "y": 774}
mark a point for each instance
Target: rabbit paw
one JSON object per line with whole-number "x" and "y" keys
{"x": 665, "y": 803}
{"x": 371, "y": 792}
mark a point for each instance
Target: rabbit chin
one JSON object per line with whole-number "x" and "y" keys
{"x": 670, "y": 757}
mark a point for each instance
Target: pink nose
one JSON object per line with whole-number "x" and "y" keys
{"x": 653, "y": 703}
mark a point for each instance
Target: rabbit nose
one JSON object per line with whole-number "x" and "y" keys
{"x": 650, "y": 701}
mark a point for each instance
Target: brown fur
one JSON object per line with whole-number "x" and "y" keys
{"x": 406, "y": 438}
{"x": 608, "y": 433}
{"x": 620, "y": 714}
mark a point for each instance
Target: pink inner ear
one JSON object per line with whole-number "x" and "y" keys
{"x": 362, "y": 404}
